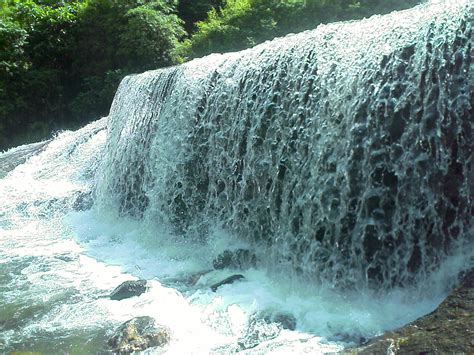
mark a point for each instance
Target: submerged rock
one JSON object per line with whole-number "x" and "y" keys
{"x": 129, "y": 289}
{"x": 354, "y": 338}
{"x": 447, "y": 330}
{"x": 83, "y": 201}
{"x": 138, "y": 334}
{"x": 258, "y": 330}
{"x": 228, "y": 280}
{"x": 188, "y": 280}
{"x": 285, "y": 320}
{"x": 236, "y": 259}
{"x": 11, "y": 159}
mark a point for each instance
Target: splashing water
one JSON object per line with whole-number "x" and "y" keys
{"x": 341, "y": 156}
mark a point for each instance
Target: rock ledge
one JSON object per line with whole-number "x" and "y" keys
{"x": 447, "y": 330}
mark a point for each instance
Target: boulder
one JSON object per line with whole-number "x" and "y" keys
{"x": 258, "y": 330}
{"x": 235, "y": 259}
{"x": 354, "y": 338}
{"x": 447, "y": 330}
{"x": 129, "y": 289}
{"x": 138, "y": 334}
{"x": 285, "y": 320}
{"x": 228, "y": 280}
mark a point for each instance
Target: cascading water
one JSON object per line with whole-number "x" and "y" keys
{"x": 342, "y": 153}
{"x": 341, "y": 156}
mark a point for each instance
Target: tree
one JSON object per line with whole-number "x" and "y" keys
{"x": 150, "y": 38}
{"x": 34, "y": 60}
{"x": 63, "y": 60}
{"x": 243, "y": 23}
{"x": 193, "y": 11}
{"x": 115, "y": 38}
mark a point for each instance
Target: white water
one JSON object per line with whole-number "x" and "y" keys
{"x": 58, "y": 264}
{"x": 55, "y": 268}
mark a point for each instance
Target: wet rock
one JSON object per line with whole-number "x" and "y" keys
{"x": 188, "y": 280}
{"x": 285, "y": 320}
{"x": 138, "y": 334}
{"x": 11, "y": 159}
{"x": 228, "y": 280}
{"x": 67, "y": 257}
{"x": 353, "y": 338}
{"x": 235, "y": 259}
{"x": 129, "y": 289}
{"x": 258, "y": 330}
{"x": 447, "y": 330}
{"x": 83, "y": 201}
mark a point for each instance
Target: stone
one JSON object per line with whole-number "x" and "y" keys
{"x": 138, "y": 334}
{"x": 83, "y": 201}
{"x": 235, "y": 259}
{"x": 353, "y": 338}
{"x": 226, "y": 281}
{"x": 187, "y": 280}
{"x": 285, "y": 320}
{"x": 258, "y": 331}
{"x": 447, "y": 330}
{"x": 129, "y": 289}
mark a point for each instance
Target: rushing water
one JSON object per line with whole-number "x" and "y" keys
{"x": 341, "y": 156}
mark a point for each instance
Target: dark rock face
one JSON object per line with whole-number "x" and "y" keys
{"x": 129, "y": 289}
{"x": 447, "y": 330}
{"x": 236, "y": 259}
{"x": 360, "y": 163}
{"x": 138, "y": 334}
{"x": 228, "y": 280}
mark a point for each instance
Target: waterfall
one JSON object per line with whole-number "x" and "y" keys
{"x": 343, "y": 155}
{"x": 339, "y": 161}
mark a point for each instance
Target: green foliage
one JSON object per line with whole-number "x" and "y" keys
{"x": 243, "y": 23}
{"x": 193, "y": 11}
{"x": 12, "y": 40}
{"x": 33, "y": 47}
{"x": 150, "y": 37}
{"x": 61, "y": 61}
{"x": 96, "y": 95}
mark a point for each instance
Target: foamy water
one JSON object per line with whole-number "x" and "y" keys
{"x": 58, "y": 266}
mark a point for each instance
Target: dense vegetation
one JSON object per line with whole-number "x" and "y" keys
{"x": 61, "y": 60}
